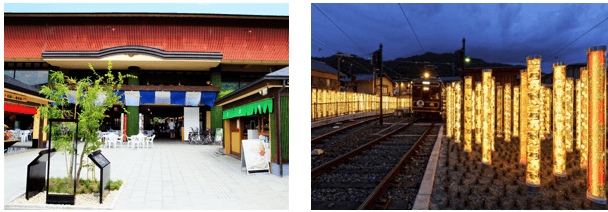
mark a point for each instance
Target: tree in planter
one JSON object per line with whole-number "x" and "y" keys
{"x": 93, "y": 97}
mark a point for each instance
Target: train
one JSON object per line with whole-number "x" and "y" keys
{"x": 427, "y": 99}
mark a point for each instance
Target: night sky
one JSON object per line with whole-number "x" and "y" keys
{"x": 501, "y": 33}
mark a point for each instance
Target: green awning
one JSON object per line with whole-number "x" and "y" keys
{"x": 258, "y": 107}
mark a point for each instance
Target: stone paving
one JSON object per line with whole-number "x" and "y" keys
{"x": 171, "y": 175}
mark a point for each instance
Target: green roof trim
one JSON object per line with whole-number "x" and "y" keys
{"x": 258, "y": 107}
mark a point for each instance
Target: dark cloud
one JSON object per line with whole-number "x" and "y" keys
{"x": 502, "y": 33}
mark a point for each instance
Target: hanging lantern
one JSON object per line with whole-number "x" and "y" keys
{"x": 569, "y": 103}
{"x": 559, "y": 145}
{"x": 487, "y": 117}
{"x": 533, "y": 110}
{"x": 516, "y": 111}
{"x": 479, "y": 113}
{"x": 468, "y": 112}
{"x": 523, "y": 117}
{"x": 596, "y": 61}
{"x": 499, "y": 112}
{"x": 458, "y": 113}
{"x": 584, "y": 118}
{"x": 507, "y": 111}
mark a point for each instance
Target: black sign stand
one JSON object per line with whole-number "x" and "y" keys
{"x": 68, "y": 199}
{"x": 36, "y": 175}
{"x": 104, "y": 165}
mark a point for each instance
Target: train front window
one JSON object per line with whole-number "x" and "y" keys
{"x": 425, "y": 92}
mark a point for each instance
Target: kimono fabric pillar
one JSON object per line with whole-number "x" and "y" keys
{"x": 533, "y": 130}
{"x": 486, "y": 154}
{"x": 458, "y": 113}
{"x": 578, "y": 114}
{"x": 523, "y": 117}
{"x": 516, "y": 111}
{"x": 548, "y": 96}
{"x": 499, "y": 111}
{"x": 468, "y": 112}
{"x": 584, "y": 118}
{"x": 450, "y": 103}
{"x": 559, "y": 145}
{"x": 478, "y": 112}
{"x": 596, "y": 61}
{"x": 507, "y": 112}
{"x": 493, "y": 113}
{"x": 568, "y": 107}
{"x": 133, "y": 116}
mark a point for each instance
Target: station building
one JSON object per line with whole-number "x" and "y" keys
{"x": 183, "y": 62}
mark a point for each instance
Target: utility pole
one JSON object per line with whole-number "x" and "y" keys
{"x": 462, "y": 58}
{"x": 340, "y": 62}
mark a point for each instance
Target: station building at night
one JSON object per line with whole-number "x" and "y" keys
{"x": 183, "y": 62}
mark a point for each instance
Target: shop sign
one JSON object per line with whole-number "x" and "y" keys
{"x": 14, "y": 96}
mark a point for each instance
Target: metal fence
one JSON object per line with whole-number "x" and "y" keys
{"x": 328, "y": 103}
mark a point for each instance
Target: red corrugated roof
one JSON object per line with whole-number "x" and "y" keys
{"x": 234, "y": 42}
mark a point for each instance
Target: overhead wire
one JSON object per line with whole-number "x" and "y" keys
{"x": 555, "y": 54}
{"x": 363, "y": 51}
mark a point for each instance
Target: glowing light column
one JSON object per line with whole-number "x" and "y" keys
{"x": 516, "y": 111}
{"x": 468, "y": 113}
{"x": 486, "y": 154}
{"x": 507, "y": 109}
{"x": 578, "y": 114}
{"x": 533, "y": 110}
{"x": 542, "y": 112}
{"x": 478, "y": 113}
{"x": 559, "y": 145}
{"x": 523, "y": 118}
{"x": 493, "y": 112}
{"x": 596, "y": 62}
{"x": 450, "y": 116}
{"x": 568, "y": 103}
{"x": 548, "y": 98}
{"x": 584, "y": 118}
{"x": 499, "y": 112}
{"x": 458, "y": 113}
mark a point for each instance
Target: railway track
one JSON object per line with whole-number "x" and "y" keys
{"x": 382, "y": 174}
{"x": 340, "y": 142}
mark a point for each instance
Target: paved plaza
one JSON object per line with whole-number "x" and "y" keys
{"x": 172, "y": 175}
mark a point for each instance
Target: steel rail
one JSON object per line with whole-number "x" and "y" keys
{"x": 326, "y": 135}
{"x": 337, "y": 161}
{"x": 331, "y": 123}
{"x": 369, "y": 202}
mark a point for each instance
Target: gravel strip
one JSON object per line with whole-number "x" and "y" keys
{"x": 81, "y": 199}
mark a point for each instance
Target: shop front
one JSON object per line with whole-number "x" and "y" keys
{"x": 259, "y": 110}
{"x": 21, "y": 103}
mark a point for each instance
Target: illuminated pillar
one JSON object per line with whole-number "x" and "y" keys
{"x": 516, "y": 111}
{"x": 533, "y": 110}
{"x": 507, "y": 109}
{"x": 468, "y": 112}
{"x": 523, "y": 117}
{"x": 493, "y": 113}
{"x": 478, "y": 113}
{"x": 596, "y": 62}
{"x": 569, "y": 137}
{"x": 542, "y": 112}
{"x": 450, "y": 116}
{"x": 584, "y": 118}
{"x": 486, "y": 154}
{"x": 548, "y": 105}
{"x": 458, "y": 113}
{"x": 499, "y": 112}
{"x": 578, "y": 114}
{"x": 559, "y": 145}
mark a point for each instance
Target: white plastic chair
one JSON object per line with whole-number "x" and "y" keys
{"x": 150, "y": 140}
{"x": 134, "y": 140}
{"x": 110, "y": 139}
{"x": 24, "y": 135}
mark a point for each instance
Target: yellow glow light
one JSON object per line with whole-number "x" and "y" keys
{"x": 559, "y": 145}
{"x": 426, "y": 75}
{"x": 507, "y": 108}
{"x": 493, "y": 112}
{"x": 596, "y": 61}
{"x": 542, "y": 113}
{"x": 516, "y": 111}
{"x": 450, "y": 116}
{"x": 458, "y": 113}
{"x": 523, "y": 117}
{"x": 499, "y": 112}
{"x": 468, "y": 112}
{"x": 487, "y": 119}
{"x": 548, "y": 98}
{"x": 569, "y": 109}
{"x": 534, "y": 105}
{"x": 584, "y": 118}
{"x": 578, "y": 114}
{"x": 478, "y": 113}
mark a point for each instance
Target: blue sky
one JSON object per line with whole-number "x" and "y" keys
{"x": 239, "y": 9}
{"x": 503, "y": 33}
